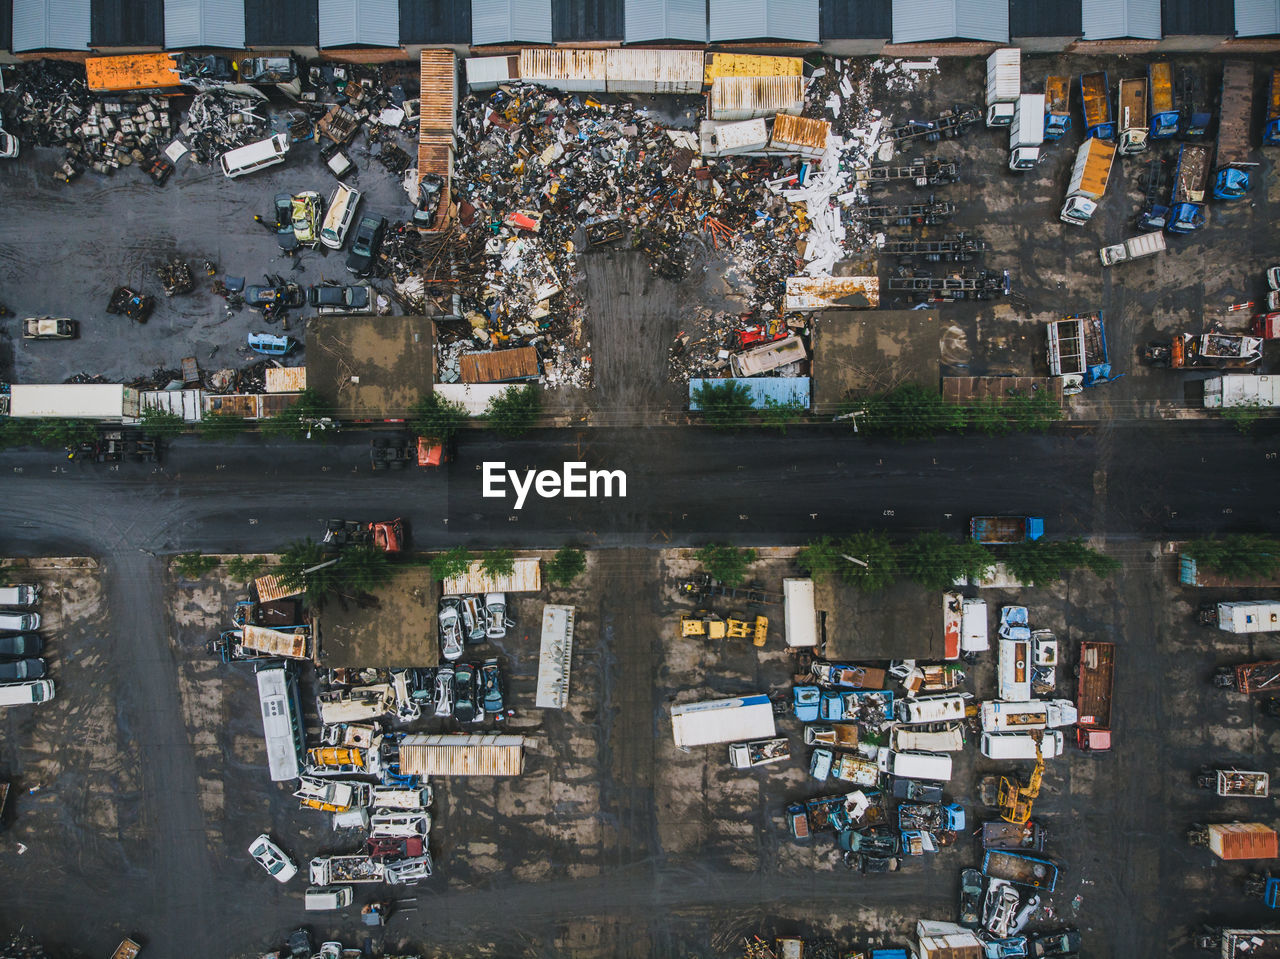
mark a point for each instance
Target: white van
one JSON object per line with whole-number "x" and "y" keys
{"x": 355, "y": 818}
{"x": 1000, "y": 717}
{"x": 911, "y": 765}
{"x": 1020, "y": 745}
{"x": 399, "y": 824}
{"x": 328, "y": 898}
{"x": 19, "y": 595}
{"x": 1014, "y": 675}
{"x": 342, "y": 211}
{"x": 949, "y": 739}
{"x": 389, "y": 797}
{"x": 255, "y": 156}
{"x": 25, "y": 694}
{"x": 932, "y": 709}
{"x": 19, "y": 622}
{"x": 974, "y": 637}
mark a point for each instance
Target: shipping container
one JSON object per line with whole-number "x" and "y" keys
{"x": 525, "y": 577}
{"x": 1258, "y": 616}
{"x": 104, "y": 402}
{"x": 808, "y": 293}
{"x": 487, "y": 73}
{"x": 133, "y": 72}
{"x": 480, "y": 755}
{"x": 574, "y": 71}
{"x": 742, "y": 98}
{"x": 749, "y": 65}
{"x": 742, "y": 718}
{"x": 736, "y": 137}
{"x": 802, "y": 135}
{"x": 1242, "y": 840}
{"x": 654, "y": 71}
{"x": 438, "y": 91}
{"x": 1241, "y": 389}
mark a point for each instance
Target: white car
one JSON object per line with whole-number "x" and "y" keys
{"x": 450, "y": 633}
{"x": 273, "y": 859}
{"x": 1001, "y": 908}
{"x": 444, "y": 692}
{"x": 495, "y": 612}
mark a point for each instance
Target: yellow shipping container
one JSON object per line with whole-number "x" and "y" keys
{"x": 750, "y": 65}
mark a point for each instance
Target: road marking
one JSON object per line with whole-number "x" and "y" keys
{"x": 17, "y": 469}
{"x": 887, "y": 512}
{"x": 813, "y": 516}
{"x": 252, "y": 521}
{"x": 220, "y": 466}
{"x": 742, "y": 516}
{"x": 513, "y": 518}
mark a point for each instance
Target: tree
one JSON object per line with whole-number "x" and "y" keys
{"x": 566, "y": 565}
{"x": 1243, "y": 416}
{"x": 14, "y": 433}
{"x": 937, "y": 561}
{"x": 221, "y": 426}
{"x": 724, "y": 406}
{"x": 363, "y": 569}
{"x": 310, "y": 415}
{"x": 726, "y": 563}
{"x": 59, "y": 433}
{"x": 1040, "y": 562}
{"x": 778, "y": 416}
{"x": 498, "y": 563}
{"x": 909, "y": 412}
{"x": 194, "y": 565}
{"x": 1032, "y": 412}
{"x": 435, "y": 416}
{"x": 514, "y": 411}
{"x": 303, "y": 555}
{"x": 162, "y": 423}
{"x": 454, "y": 562}
{"x": 820, "y": 558}
{"x": 245, "y": 569}
{"x": 987, "y": 416}
{"x": 876, "y": 563}
{"x": 1238, "y": 556}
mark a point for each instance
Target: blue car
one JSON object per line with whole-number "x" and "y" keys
{"x": 269, "y": 344}
{"x": 491, "y": 686}
{"x": 1012, "y": 948}
{"x": 804, "y": 702}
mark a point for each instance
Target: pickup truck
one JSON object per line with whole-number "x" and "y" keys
{"x": 338, "y": 870}
{"x": 1020, "y": 869}
{"x": 853, "y": 769}
{"x": 848, "y": 676}
{"x": 1005, "y": 530}
{"x": 760, "y": 752}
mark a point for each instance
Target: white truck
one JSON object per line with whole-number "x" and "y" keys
{"x": 1026, "y": 133}
{"x": 743, "y": 718}
{"x": 1134, "y": 248}
{"x": 800, "y": 613}
{"x": 767, "y": 358}
{"x": 1088, "y": 181}
{"x": 761, "y": 752}
{"x": 1241, "y": 389}
{"x": 339, "y": 870}
{"x": 999, "y": 716}
{"x": 1004, "y": 83}
{"x": 1250, "y": 616}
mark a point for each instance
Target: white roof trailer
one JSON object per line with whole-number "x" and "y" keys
{"x": 1260, "y": 616}
{"x": 723, "y": 721}
{"x": 105, "y": 402}
{"x": 800, "y": 613}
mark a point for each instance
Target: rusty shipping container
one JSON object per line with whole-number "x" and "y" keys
{"x": 653, "y": 71}
{"x": 802, "y": 135}
{"x": 574, "y": 71}
{"x": 438, "y": 90}
{"x": 743, "y": 98}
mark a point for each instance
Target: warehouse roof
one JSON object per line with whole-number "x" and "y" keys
{"x": 1199, "y": 17}
{"x": 281, "y": 23}
{"x": 359, "y": 23}
{"x": 1114, "y": 19}
{"x": 204, "y": 23}
{"x": 647, "y": 20}
{"x": 752, "y": 19}
{"x": 510, "y": 21}
{"x": 1035, "y": 18}
{"x": 50, "y": 25}
{"x": 920, "y": 21}
{"x": 855, "y": 19}
{"x": 126, "y": 23}
{"x": 6, "y": 24}
{"x": 577, "y": 21}
{"x": 435, "y": 21}
{"x": 1257, "y": 18}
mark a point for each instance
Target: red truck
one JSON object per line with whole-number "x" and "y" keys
{"x": 1093, "y": 696}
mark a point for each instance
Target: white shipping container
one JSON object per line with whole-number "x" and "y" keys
{"x": 574, "y": 71}
{"x": 974, "y": 635}
{"x": 800, "y": 613}
{"x": 1250, "y": 617}
{"x": 1004, "y": 75}
{"x": 1241, "y": 389}
{"x": 653, "y": 71}
{"x": 723, "y": 721}
{"x": 555, "y": 657}
{"x": 78, "y": 401}
{"x": 486, "y": 73}
{"x": 742, "y": 98}
{"x": 740, "y": 136}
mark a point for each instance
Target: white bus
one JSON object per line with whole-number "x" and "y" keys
{"x": 281, "y": 722}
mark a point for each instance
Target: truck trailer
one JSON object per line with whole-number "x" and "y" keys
{"x": 1241, "y": 389}
{"x": 1093, "y": 696}
{"x": 1078, "y": 351}
{"x": 101, "y": 402}
{"x": 1163, "y": 105}
{"x": 1005, "y": 530}
{"x": 1195, "y": 113}
{"x": 1095, "y": 101}
{"x": 1088, "y": 183}
{"x": 1250, "y": 616}
{"x": 743, "y": 718}
{"x": 1190, "y": 183}
{"x": 1234, "y": 132}
{"x": 1004, "y": 83}
{"x": 1131, "y": 100}
{"x": 1026, "y": 133}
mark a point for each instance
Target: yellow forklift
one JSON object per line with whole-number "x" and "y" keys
{"x": 707, "y": 625}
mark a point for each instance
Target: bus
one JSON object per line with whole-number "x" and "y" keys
{"x": 281, "y": 721}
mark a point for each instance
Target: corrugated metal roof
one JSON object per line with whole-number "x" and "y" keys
{"x": 742, "y": 98}
{"x": 462, "y": 755}
{"x": 832, "y": 292}
{"x": 1243, "y": 840}
{"x": 499, "y": 366}
{"x": 1199, "y": 17}
{"x": 920, "y": 21}
{"x": 526, "y": 577}
{"x": 51, "y": 25}
{"x": 270, "y": 588}
{"x": 6, "y": 24}
{"x": 286, "y": 379}
{"x": 281, "y": 22}
{"x": 653, "y": 71}
{"x": 576, "y": 21}
{"x": 1114, "y": 19}
{"x": 646, "y": 20}
{"x": 855, "y": 19}
{"x": 435, "y": 21}
{"x": 189, "y": 404}
{"x": 1035, "y": 18}
{"x": 780, "y": 389}
{"x": 126, "y": 23}
{"x": 555, "y": 657}
{"x": 204, "y": 23}
{"x": 510, "y": 21}
{"x": 366, "y": 23}
{"x": 750, "y": 19}
{"x": 1254, "y": 18}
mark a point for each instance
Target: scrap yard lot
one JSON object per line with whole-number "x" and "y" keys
{"x": 921, "y": 597}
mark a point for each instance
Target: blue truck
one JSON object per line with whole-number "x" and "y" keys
{"x": 1190, "y": 185}
{"x": 1033, "y": 872}
{"x": 1271, "y": 128}
{"x": 1195, "y": 115}
{"x": 1234, "y": 142}
{"x": 1096, "y": 103}
{"x": 1005, "y": 530}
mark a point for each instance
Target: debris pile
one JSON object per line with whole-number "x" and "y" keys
{"x": 218, "y": 121}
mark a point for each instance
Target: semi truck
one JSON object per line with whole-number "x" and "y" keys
{"x": 1241, "y": 389}
{"x": 1004, "y": 82}
{"x": 1234, "y": 141}
{"x": 1088, "y": 183}
{"x": 1093, "y": 696}
{"x": 743, "y": 718}
{"x": 1190, "y": 183}
{"x": 1096, "y": 104}
{"x": 1134, "y": 248}
{"x": 1021, "y": 869}
{"x": 1163, "y": 106}
{"x": 1005, "y": 530}
{"x": 1271, "y": 128}
{"x": 1131, "y": 102}
{"x": 1057, "y": 102}
{"x": 1026, "y": 133}
{"x": 1078, "y": 351}
{"x": 102, "y": 402}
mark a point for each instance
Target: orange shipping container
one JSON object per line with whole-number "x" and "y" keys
{"x": 1243, "y": 840}
{"x": 136, "y": 71}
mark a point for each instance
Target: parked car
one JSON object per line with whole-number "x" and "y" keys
{"x": 1024, "y": 915}
{"x": 19, "y": 670}
{"x": 1063, "y": 942}
{"x": 430, "y": 192}
{"x": 465, "y": 708}
{"x": 21, "y": 644}
{"x": 273, "y": 859}
{"x": 971, "y": 898}
{"x": 804, "y": 702}
{"x": 1013, "y": 947}
{"x": 450, "y": 631}
{"x": 422, "y": 684}
{"x": 491, "y": 684}
{"x": 869, "y": 863}
{"x": 284, "y": 223}
{"x": 495, "y": 614}
{"x": 307, "y": 207}
{"x": 916, "y": 791}
{"x": 798, "y": 821}
{"x": 278, "y": 296}
{"x": 355, "y": 298}
{"x": 268, "y": 70}
{"x": 444, "y": 692}
{"x": 1001, "y": 908}
{"x": 472, "y": 621}
{"x": 365, "y": 243}
{"x": 271, "y": 344}
{"x": 49, "y": 328}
